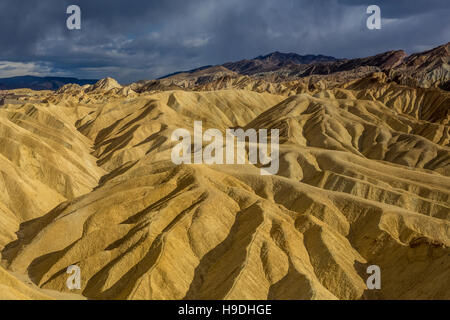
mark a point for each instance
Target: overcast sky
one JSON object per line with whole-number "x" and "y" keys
{"x": 131, "y": 40}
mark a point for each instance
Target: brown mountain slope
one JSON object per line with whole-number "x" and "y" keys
{"x": 426, "y": 69}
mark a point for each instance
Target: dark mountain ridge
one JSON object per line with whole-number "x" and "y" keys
{"x": 40, "y": 83}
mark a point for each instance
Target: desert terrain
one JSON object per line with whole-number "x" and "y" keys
{"x": 86, "y": 179}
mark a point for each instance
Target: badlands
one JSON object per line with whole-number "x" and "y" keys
{"x": 86, "y": 179}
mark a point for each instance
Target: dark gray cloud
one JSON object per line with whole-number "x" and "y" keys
{"x": 133, "y": 40}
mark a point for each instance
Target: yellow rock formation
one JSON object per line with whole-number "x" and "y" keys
{"x": 86, "y": 179}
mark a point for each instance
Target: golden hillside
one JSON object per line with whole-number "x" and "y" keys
{"x": 87, "y": 179}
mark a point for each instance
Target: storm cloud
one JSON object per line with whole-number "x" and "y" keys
{"x": 131, "y": 40}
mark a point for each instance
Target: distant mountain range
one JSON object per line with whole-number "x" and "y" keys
{"x": 271, "y": 62}
{"x": 274, "y": 61}
{"x": 425, "y": 69}
{"x": 40, "y": 83}
{"x": 293, "y": 64}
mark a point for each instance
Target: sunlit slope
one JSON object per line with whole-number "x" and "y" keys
{"x": 129, "y": 130}
{"x": 44, "y": 161}
{"x": 363, "y": 179}
{"x": 12, "y": 288}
